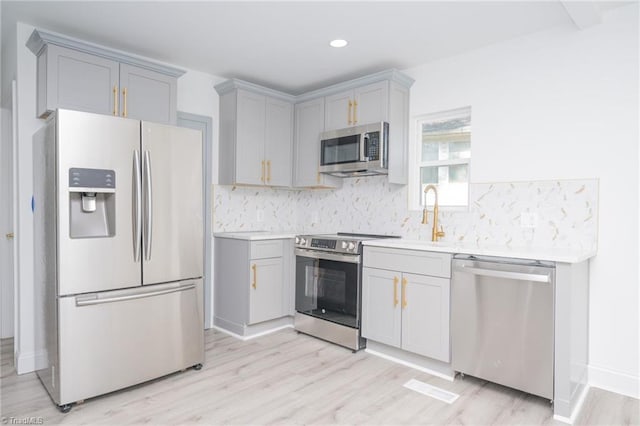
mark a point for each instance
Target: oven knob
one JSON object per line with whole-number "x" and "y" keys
{"x": 297, "y": 240}
{"x": 351, "y": 246}
{"x": 303, "y": 241}
{"x": 344, "y": 245}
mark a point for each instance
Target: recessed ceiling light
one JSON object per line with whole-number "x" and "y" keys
{"x": 338, "y": 43}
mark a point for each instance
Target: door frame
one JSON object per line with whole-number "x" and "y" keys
{"x": 8, "y": 219}
{"x": 205, "y": 124}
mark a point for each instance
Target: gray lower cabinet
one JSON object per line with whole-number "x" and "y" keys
{"x": 252, "y": 282}
{"x": 266, "y": 291}
{"x": 78, "y": 76}
{"x": 405, "y": 300}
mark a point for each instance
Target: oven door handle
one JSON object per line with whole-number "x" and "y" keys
{"x": 323, "y": 255}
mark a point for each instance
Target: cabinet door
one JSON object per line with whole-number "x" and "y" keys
{"x": 309, "y": 124}
{"x": 147, "y": 95}
{"x": 278, "y": 142}
{"x": 265, "y": 290}
{"x": 250, "y": 126}
{"x": 381, "y": 311}
{"x": 74, "y": 80}
{"x": 371, "y": 103}
{"x": 338, "y": 112}
{"x": 425, "y": 316}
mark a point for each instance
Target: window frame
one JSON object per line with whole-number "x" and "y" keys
{"x": 416, "y": 163}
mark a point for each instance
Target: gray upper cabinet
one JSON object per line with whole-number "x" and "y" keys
{"x": 256, "y": 136}
{"x": 378, "y": 97}
{"x": 75, "y": 80}
{"x": 263, "y": 142}
{"x": 74, "y": 75}
{"x": 362, "y": 105}
{"x": 278, "y": 141}
{"x": 309, "y": 123}
{"x": 147, "y": 95}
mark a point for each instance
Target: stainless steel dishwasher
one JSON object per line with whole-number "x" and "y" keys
{"x": 502, "y": 321}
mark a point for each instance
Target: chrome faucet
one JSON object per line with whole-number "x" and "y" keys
{"x": 435, "y": 234}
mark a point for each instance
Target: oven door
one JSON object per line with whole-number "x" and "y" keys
{"x": 327, "y": 286}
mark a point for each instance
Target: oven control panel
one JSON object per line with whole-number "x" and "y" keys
{"x": 323, "y": 244}
{"x": 338, "y": 245}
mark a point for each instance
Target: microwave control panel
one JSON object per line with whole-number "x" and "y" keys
{"x": 372, "y": 145}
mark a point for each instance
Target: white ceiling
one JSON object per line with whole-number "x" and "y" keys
{"x": 284, "y": 45}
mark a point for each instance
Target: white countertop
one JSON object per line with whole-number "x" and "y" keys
{"x": 549, "y": 254}
{"x": 255, "y": 235}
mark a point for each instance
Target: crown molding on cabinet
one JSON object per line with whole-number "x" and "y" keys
{"x": 39, "y": 39}
{"x": 234, "y": 83}
{"x": 389, "y": 75}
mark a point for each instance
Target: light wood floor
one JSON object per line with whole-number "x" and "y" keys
{"x": 286, "y": 378}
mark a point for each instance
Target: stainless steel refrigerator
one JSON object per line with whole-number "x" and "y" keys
{"x": 118, "y": 252}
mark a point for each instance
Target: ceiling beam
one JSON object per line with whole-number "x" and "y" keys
{"x": 584, "y": 14}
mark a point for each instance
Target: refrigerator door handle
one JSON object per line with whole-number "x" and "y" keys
{"x": 87, "y": 301}
{"x": 148, "y": 224}
{"x": 137, "y": 206}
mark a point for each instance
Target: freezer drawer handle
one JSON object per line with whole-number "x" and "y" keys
{"x": 88, "y": 302}
{"x": 505, "y": 274}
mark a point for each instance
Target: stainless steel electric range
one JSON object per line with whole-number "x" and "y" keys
{"x": 329, "y": 287}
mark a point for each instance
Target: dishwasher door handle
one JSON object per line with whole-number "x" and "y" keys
{"x": 520, "y": 276}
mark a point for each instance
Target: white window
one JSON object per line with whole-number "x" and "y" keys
{"x": 442, "y": 155}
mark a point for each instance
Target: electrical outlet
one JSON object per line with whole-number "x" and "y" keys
{"x": 529, "y": 219}
{"x": 260, "y": 215}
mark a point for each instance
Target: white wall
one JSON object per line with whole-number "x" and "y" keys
{"x": 195, "y": 95}
{"x": 563, "y": 104}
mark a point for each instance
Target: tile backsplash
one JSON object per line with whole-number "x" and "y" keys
{"x": 565, "y": 212}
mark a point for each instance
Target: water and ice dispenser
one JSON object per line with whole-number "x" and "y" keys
{"x": 92, "y": 203}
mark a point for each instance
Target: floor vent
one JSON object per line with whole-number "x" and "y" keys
{"x": 432, "y": 391}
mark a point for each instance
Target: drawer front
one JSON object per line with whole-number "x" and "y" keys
{"x": 266, "y": 249}
{"x": 412, "y": 261}
{"x": 129, "y": 337}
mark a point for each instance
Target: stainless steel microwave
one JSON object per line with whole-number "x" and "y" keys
{"x": 355, "y": 151}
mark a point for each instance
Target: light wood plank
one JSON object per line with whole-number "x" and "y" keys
{"x": 289, "y": 378}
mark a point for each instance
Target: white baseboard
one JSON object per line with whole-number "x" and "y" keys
{"x": 252, "y": 336}
{"x": 577, "y": 409}
{"x": 417, "y": 362}
{"x": 614, "y": 381}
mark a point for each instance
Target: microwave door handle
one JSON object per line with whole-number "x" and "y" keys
{"x": 364, "y": 140}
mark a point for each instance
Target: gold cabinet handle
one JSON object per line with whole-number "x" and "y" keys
{"x": 268, "y": 171}
{"x": 254, "y": 284}
{"x": 395, "y": 291}
{"x": 349, "y": 112}
{"x": 115, "y": 100}
{"x": 404, "y": 293}
{"x": 124, "y": 102}
{"x": 262, "y": 173}
{"x": 9, "y": 236}
{"x": 355, "y": 112}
